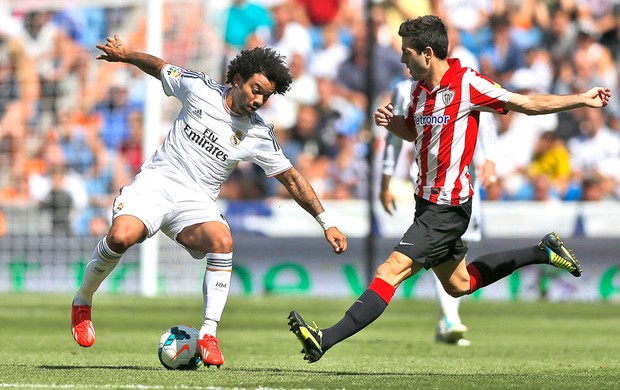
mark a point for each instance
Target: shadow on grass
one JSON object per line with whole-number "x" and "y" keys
{"x": 366, "y": 373}
{"x": 287, "y": 371}
{"x": 69, "y": 367}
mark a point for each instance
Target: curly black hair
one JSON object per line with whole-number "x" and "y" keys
{"x": 263, "y": 60}
{"x": 428, "y": 30}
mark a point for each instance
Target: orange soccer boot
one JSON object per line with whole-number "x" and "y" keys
{"x": 81, "y": 325}
{"x": 210, "y": 351}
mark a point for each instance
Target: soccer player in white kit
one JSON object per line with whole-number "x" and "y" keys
{"x": 177, "y": 187}
{"x": 442, "y": 122}
{"x": 450, "y": 328}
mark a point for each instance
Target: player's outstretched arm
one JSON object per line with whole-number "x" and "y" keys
{"x": 116, "y": 51}
{"x": 303, "y": 193}
{"x": 596, "y": 97}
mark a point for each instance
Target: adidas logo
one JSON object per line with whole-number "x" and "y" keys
{"x": 198, "y": 113}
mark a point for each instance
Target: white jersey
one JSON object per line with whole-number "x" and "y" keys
{"x": 207, "y": 140}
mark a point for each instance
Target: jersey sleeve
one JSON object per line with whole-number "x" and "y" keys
{"x": 269, "y": 156}
{"x": 176, "y": 81}
{"x": 487, "y": 95}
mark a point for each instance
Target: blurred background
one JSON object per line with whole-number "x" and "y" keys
{"x": 73, "y": 130}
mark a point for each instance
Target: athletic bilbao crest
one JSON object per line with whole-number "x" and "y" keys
{"x": 447, "y": 97}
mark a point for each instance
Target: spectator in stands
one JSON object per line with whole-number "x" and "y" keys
{"x": 337, "y": 116}
{"x": 305, "y": 136}
{"x": 131, "y": 149}
{"x": 244, "y": 18}
{"x": 288, "y": 34}
{"x": 542, "y": 190}
{"x": 45, "y": 48}
{"x": 115, "y": 112}
{"x": 470, "y": 17}
{"x": 517, "y": 134}
{"x": 321, "y": 13}
{"x": 503, "y": 56}
{"x": 561, "y": 36}
{"x": 329, "y": 56}
{"x": 19, "y": 96}
{"x": 551, "y": 159}
{"x": 594, "y": 63}
{"x": 596, "y": 151}
{"x": 62, "y": 64}
{"x": 304, "y": 89}
{"x": 59, "y": 203}
{"x": 592, "y": 189}
{"x": 55, "y": 173}
{"x": 81, "y": 147}
{"x": 351, "y": 81}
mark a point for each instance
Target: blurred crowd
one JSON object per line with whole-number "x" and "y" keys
{"x": 71, "y": 127}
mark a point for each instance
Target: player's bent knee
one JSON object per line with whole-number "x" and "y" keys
{"x": 393, "y": 271}
{"x": 457, "y": 291}
{"x": 120, "y": 240}
{"x": 222, "y": 243}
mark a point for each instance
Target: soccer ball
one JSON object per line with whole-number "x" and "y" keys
{"x": 178, "y": 349}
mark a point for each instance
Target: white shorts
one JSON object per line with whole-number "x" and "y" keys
{"x": 163, "y": 203}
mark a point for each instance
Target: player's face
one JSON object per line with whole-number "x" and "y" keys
{"x": 417, "y": 63}
{"x": 251, "y": 94}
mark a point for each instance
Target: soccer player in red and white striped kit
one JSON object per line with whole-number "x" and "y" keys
{"x": 442, "y": 122}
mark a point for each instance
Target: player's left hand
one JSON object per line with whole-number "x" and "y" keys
{"x": 597, "y": 97}
{"x": 388, "y": 201}
{"x": 114, "y": 50}
{"x": 337, "y": 240}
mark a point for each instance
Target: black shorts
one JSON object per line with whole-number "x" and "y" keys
{"x": 435, "y": 235}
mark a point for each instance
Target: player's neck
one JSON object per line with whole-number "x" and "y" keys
{"x": 436, "y": 74}
{"x": 227, "y": 99}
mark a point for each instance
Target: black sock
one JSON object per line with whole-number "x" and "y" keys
{"x": 367, "y": 308}
{"x": 495, "y": 266}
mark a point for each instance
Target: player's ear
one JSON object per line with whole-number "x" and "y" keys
{"x": 237, "y": 80}
{"x": 428, "y": 52}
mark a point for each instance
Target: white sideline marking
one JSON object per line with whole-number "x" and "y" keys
{"x": 145, "y": 387}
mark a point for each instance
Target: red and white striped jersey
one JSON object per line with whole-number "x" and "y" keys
{"x": 445, "y": 124}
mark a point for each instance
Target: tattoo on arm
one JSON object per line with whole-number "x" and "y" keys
{"x": 301, "y": 190}
{"x": 149, "y": 64}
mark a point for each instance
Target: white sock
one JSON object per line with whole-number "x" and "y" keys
{"x": 449, "y": 304}
{"x": 103, "y": 261}
{"x": 215, "y": 289}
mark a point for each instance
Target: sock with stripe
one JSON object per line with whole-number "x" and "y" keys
{"x": 367, "y": 308}
{"x": 216, "y": 285}
{"x": 103, "y": 261}
{"x": 488, "y": 269}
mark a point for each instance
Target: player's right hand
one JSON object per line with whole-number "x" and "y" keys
{"x": 337, "y": 240}
{"x": 114, "y": 49}
{"x": 384, "y": 115}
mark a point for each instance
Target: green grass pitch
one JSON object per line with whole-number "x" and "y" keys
{"x": 533, "y": 345}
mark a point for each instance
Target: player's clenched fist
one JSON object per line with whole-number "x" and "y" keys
{"x": 384, "y": 115}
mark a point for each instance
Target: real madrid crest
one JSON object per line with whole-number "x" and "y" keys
{"x": 447, "y": 96}
{"x": 235, "y": 139}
